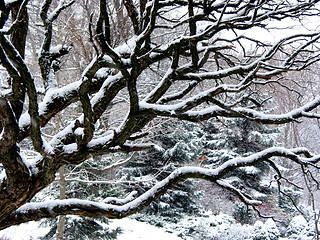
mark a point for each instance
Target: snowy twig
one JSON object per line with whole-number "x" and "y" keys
{"x": 246, "y": 199}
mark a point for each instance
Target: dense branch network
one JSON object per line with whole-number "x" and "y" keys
{"x": 195, "y": 53}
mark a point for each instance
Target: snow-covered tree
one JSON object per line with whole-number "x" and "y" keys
{"x": 82, "y": 228}
{"x": 207, "y": 65}
{"x": 209, "y": 144}
{"x": 177, "y": 145}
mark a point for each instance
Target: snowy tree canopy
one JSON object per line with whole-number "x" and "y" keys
{"x": 152, "y": 60}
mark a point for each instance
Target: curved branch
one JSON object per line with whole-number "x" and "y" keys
{"x": 133, "y": 14}
{"x": 237, "y": 112}
{"x": 246, "y": 199}
{"x": 60, "y": 98}
{"x": 103, "y": 32}
{"x": 88, "y": 121}
{"x": 20, "y": 65}
{"x": 36, "y": 211}
{"x": 47, "y": 56}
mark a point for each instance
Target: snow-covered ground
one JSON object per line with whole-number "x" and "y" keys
{"x": 131, "y": 228}
{"x": 26, "y": 231}
{"x": 219, "y": 226}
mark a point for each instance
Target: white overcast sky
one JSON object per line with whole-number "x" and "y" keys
{"x": 284, "y": 28}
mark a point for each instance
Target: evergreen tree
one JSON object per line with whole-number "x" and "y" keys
{"x": 175, "y": 148}
{"x": 212, "y": 143}
{"x": 85, "y": 181}
{"x": 80, "y": 228}
{"x": 240, "y": 137}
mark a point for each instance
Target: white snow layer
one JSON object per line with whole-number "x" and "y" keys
{"x": 25, "y": 231}
{"x": 132, "y": 229}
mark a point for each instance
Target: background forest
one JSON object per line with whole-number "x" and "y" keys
{"x": 193, "y": 208}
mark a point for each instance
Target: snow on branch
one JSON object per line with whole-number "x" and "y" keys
{"x": 55, "y": 13}
{"x": 119, "y": 163}
{"x": 59, "y": 98}
{"x": 117, "y": 201}
{"x": 237, "y": 112}
{"x": 71, "y": 154}
{"x": 49, "y": 209}
{"x": 14, "y": 25}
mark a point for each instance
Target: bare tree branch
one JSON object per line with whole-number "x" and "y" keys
{"x": 35, "y": 211}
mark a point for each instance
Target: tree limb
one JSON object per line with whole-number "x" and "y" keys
{"x": 36, "y": 211}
